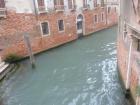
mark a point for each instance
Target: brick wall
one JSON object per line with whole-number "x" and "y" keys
{"x": 122, "y": 55}
{"x": 15, "y": 25}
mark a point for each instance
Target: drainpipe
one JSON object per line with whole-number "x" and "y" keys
{"x": 138, "y": 93}
{"x": 106, "y": 12}
{"x": 35, "y": 8}
{"x": 129, "y": 66}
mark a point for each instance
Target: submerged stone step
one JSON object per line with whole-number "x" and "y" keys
{"x": 2, "y": 64}
{"x": 4, "y": 67}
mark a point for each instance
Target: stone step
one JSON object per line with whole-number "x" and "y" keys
{"x": 2, "y": 64}
{"x": 3, "y": 68}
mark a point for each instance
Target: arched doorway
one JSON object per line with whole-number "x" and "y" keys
{"x": 80, "y": 25}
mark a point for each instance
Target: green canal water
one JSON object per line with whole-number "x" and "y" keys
{"x": 82, "y": 72}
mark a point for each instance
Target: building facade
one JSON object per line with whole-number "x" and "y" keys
{"x": 129, "y": 47}
{"x": 49, "y": 23}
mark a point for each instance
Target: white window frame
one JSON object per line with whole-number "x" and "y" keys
{"x": 44, "y": 35}
{"x": 63, "y": 25}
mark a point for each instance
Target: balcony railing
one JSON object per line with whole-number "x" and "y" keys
{"x": 59, "y": 7}
{"x": 3, "y": 12}
{"x": 85, "y": 7}
{"x": 42, "y": 9}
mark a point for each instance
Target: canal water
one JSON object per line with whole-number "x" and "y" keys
{"x": 82, "y": 72}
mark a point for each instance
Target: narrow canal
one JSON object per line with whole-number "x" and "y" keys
{"x": 82, "y": 72}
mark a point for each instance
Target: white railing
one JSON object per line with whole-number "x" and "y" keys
{"x": 3, "y": 12}
{"x": 59, "y": 7}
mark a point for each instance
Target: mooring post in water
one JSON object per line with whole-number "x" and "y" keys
{"x": 29, "y": 48}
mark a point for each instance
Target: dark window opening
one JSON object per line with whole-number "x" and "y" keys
{"x": 2, "y": 4}
{"x": 61, "y": 25}
{"x": 79, "y": 25}
{"x": 109, "y": 9}
{"x": 95, "y": 18}
{"x": 138, "y": 49}
{"x": 45, "y": 28}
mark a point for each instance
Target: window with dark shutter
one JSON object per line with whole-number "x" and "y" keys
{"x": 102, "y": 3}
{"x": 138, "y": 49}
{"x": 45, "y": 28}
{"x": 70, "y": 4}
{"x": 102, "y": 17}
{"x": 85, "y": 3}
{"x": 61, "y": 25}
{"x": 109, "y": 9}
{"x": 95, "y": 3}
{"x": 2, "y": 4}
{"x": 95, "y": 18}
{"x": 41, "y": 3}
{"x": 59, "y": 4}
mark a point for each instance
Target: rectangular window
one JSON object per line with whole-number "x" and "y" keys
{"x": 95, "y": 3}
{"x": 115, "y": 9}
{"x": 2, "y": 4}
{"x": 102, "y": 17}
{"x": 102, "y": 3}
{"x": 95, "y": 19}
{"x": 71, "y": 4}
{"x": 61, "y": 25}
{"x": 59, "y": 4}
{"x": 109, "y": 9}
{"x": 138, "y": 49}
{"x": 45, "y": 28}
{"x": 85, "y": 4}
{"x": 41, "y": 3}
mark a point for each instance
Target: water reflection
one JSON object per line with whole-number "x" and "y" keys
{"x": 80, "y": 73}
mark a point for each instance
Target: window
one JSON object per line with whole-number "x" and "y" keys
{"x": 2, "y": 4}
{"x": 59, "y": 4}
{"x": 41, "y": 2}
{"x": 102, "y": 3}
{"x": 85, "y": 3}
{"x": 138, "y": 49}
{"x": 102, "y": 17}
{"x": 95, "y": 3}
{"x": 71, "y": 4}
{"x": 61, "y": 25}
{"x": 95, "y": 19}
{"x": 45, "y": 28}
{"x": 115, "y": 9}
{"x": 109, "y": 9}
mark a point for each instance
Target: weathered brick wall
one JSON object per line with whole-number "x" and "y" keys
{"x": 38, "y": 45}
{"x": 90, "y": 25}
{"x": 122, "y": 55}
{"x": 112, "y": 17}
{"x": 15, "y": 25}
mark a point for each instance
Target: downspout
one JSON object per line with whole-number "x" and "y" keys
{"x": 35, "y": 9}
{"x": 138, "y": 93}
{"x": 129, "y": 66}
{"x": 106, "y": 13}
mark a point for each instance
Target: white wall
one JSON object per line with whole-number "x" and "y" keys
{"x": 27, "y": 6}
{"x": 20, "y": 6}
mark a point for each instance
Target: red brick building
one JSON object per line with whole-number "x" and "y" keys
{"x": 49, "y": 23}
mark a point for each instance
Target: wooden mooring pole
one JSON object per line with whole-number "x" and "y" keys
{"x": 29, "y": 48}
